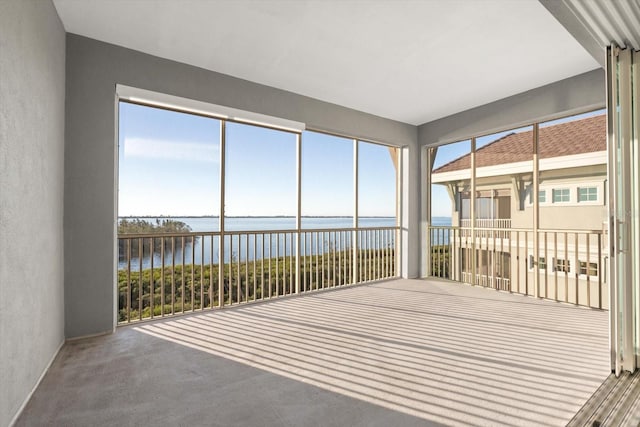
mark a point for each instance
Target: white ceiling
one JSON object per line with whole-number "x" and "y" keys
{"x": 412, "y": 61}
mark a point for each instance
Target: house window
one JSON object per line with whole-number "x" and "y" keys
{"x": 542, "y": 263}
{"x": 590, "y": 268}
{"x": 561, "y": 195}
{"x": 563, "y": 265}
{"x": 542, "y": 196}
{"x": 587, "y": 194}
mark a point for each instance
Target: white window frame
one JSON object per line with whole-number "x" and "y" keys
{"x": 588, "y": 188}
{"x": 563, "y": 190}
{"x": 532, "y": 267}
{"x": 574, "y": 190}
{"x": 567, "y": 262}
{"x": 584, "y": 276}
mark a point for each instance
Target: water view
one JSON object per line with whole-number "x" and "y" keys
{"x": 250, "y": 246}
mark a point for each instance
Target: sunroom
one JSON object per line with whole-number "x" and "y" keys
{"x": 355, "y": 304}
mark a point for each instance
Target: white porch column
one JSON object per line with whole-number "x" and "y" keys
{"x": 410, "y": 212}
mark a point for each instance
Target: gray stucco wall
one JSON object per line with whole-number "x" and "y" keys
{"x": 93, "y": 70}
{"x": 32, "y": 90}
{"x": 574, "y": 95}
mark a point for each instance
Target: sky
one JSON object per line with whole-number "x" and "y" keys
{"x": 169, "y": 164}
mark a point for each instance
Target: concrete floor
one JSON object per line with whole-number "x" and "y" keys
{"x": 395, "y": 353}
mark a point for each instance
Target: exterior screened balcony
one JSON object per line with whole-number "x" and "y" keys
{"x": 279, "y": 325}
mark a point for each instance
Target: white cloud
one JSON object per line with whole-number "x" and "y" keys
{"x": 171, "y": 149}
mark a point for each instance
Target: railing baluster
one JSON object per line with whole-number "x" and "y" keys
{"x": 173, "y": 275}
{"x": 453, "y": 255}
{"x": 503, "y": 235}
{"x": 317, "y": 261}
{"x": 385, "y": 253}
{"x": 439, "y": 252}
{"x": 222, "y": 249}
{"x": 151, "y": 281}
{"x": 376, "y": 254}
{"x": 342, "y": 267}
{"x": 367, "y": 263}
{"x": 239, "y": 296}
{"x": 255, "y": 283}
{"x": 600, "y": 270}
{"x": 202, "y": 273}
{"x": 362, "y": 253}
{"x": 284, "y": 264}
{"x": 577, "y": 267}
{"x": 162, "y": 279}
{"x": 291, "y": 264}
{"x": 354, "y": 239}
{"x": 321, "y": 236}
{"x": 373, "y": 255}
{"x": 566, "y": 267}
{"x": 303, "y": 256}
{"x": 526, "y": 266}
{"x": 546, "y": 268}
{"x": 128, "y": 280}
{"x": 230, "y": 269}
{"x": 193, "y": 268}
{"x": 277, "y": 264}
{"x": 555, "y": 270}
{"x": 262, "y": 270}
{"x": 518, "y": 259}
{"x": 587, "y": 271}
{"x": 285, "y": 271}
{"x": 211, "y": 271}
{"x": 246, "y": 268}
{"x": 366, "y": 254}
{"x": 182, "y": 284}
{"x": 140, "y": 283}
{"x": 334, "y": 249}
{"x": 493, "y": 261}
{"x": 336, "y": 259}
{"x": 368, "y": 268}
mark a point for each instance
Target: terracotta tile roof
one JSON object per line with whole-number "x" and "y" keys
{"x": 564, "y": 139}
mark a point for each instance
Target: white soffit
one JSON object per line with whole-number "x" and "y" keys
{"x": 412, "y": 61}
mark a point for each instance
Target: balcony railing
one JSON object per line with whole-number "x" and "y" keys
{"x": 488, "y": 223}
{"x": 167, "y": 274}
{"x": 500, "y": 283}
{"x": 562, "y": 265}
{"x": 487, "y": 228}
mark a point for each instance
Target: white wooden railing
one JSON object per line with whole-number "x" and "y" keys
{"x": 562, "y": 265}
{"x": 163, "y": 274}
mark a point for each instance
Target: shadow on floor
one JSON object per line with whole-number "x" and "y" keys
{"x": 383, "y": 354}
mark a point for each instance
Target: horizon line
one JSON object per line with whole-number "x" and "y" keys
{"x": 263, "y": 216}
{"x": 254, "y": 216}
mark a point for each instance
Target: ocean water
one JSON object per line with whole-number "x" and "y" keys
{"x": 249, "y": 247}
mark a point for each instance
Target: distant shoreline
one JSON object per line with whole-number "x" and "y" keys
{"x": 250, "y": 216}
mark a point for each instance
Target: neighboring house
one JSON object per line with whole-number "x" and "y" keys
{"x": 572, "y": 214}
